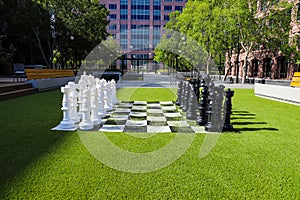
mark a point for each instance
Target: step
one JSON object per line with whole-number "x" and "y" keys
{"x": 13, "y": 87}
{"x": 17, "y": 93}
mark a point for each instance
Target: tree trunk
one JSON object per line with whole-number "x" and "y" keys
{"x": 228, "y": 64}
{"x": 208, "y": 63}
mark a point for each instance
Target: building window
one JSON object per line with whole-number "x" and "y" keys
{"x": 178, "y": 0}
{"x": 112, "y": 16}
{"x": 112, "y": 27}
{"x": 123, "y": 17}
{"x": 156, "y": 7}
{"x": 166, "y": 17}
{"x": 298, "y": 12}
{"x": 156, "y": 17}
{"x": 112, "y": 6}
{"x": 123, "y": 6}
{"x": 140, "y": 10}
{"x": 167, "y": 0}
{"x": 178, "y": 8}
{"x": 167, "y": 8}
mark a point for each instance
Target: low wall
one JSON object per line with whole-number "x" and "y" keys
{"x": 280, "y": 93}
{"x": 50, "y": 83}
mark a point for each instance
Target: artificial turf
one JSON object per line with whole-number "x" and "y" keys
{"x": 260, "y": 160}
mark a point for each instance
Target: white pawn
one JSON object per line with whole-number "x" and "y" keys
{"x": 67, "y": 123}
{"x": 101, "y": 110}
{"x": 86, "y": 123}
{"x": 107, "y": 97}
{"x": 114, "y": 92}
{"x": 74, "y": 99}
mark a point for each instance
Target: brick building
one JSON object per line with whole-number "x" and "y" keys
{"x": 264, "y": 63}
{"x": 137, "y": 25}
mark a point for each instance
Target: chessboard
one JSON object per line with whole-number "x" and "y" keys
{"x": 150, "y": 117}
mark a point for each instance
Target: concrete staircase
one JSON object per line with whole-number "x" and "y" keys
{"x": 9, "y": 91}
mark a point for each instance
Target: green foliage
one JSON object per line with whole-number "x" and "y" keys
{"x": 64, "y": 30}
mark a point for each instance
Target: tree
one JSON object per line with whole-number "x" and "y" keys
{"x": 64, "y": 31}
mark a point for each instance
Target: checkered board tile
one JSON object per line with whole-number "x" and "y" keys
{"x": 151, "y": 117}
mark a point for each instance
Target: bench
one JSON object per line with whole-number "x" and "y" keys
{"x": 296, "y": 80}
{"x": 33, "y": 74}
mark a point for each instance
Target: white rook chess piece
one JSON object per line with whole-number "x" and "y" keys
{"x": 101, "y": 110}
{"x": 74, "y": 102}
{"x": 86, "y": 123}
{"x": 67, "y": 123}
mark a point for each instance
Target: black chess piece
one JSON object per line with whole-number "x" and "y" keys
{"x": 227, "y": 110}
{"x": 215, "y": 110}
{"x": 202, "y": 119}
{"x": 183, "y": 91}
{"x": 180, "y": 84}
{"x": 191, "y": 113}
{"x": 186, "y": 97}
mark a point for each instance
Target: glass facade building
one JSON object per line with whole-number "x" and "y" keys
{"x": 137, "y": 25}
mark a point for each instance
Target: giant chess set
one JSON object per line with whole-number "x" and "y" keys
{"x": 92, "y": 104}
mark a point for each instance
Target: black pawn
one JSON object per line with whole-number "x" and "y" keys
{"x": 186, "y": 97}
{"x": 202, "y": 120}
{"x": 193, "y": 104}
{"x": 227, "y": 110}
{"x": 179, "y": 93}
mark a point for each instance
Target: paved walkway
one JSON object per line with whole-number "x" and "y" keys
{"x": 152, "y": 80}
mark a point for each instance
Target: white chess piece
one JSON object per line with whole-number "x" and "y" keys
{"x": 114, "y": 92}
{"x": 67, "y": 123}
{"x": 74, "y": 102}
{"x": 101, "y": 110}
{"x": 107, "y": 97}
{"x": 86, "y": 123}
{"x": 94, "y": 104}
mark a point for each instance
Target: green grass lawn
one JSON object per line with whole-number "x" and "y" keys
{"x": 259, "y": 161}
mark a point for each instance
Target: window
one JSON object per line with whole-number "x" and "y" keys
{"x": 124, "y": 7}
{"x": 140, "y": 10}
{"x": 167, "y": 0}
{"x": 168, "y": 8}
{"x": 178, "y": 8}
{"x": 112, "y": 27}
{"x": 112, "y": 16}
{"x": 156, "y": 17}
{"x": 166, "y": 17}
{"x": 298, "y": 12}
{"x": 112, "y": 6}
{"x": 123, "y": 17}
{"x": 156, "y": 7}
{"x": 178, "y": 0}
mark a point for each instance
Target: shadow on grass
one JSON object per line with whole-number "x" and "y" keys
{"x": 25, "y": 132}
{"x": 243, "y": 123}
{"x": 247, "y": 123}
{"x": 255, "y": 129}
